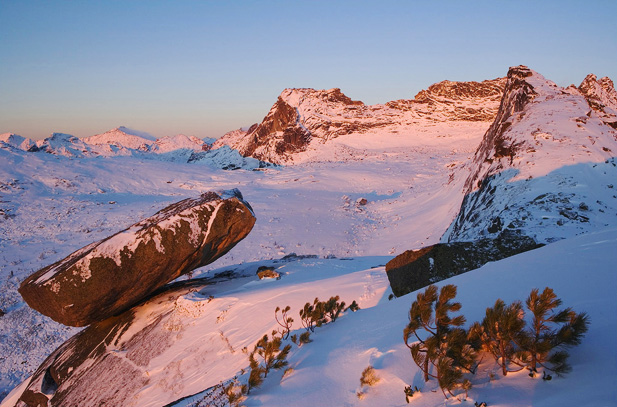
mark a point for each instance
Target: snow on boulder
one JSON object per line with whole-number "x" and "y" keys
{"x": 107, "y": 363}
{"x": 109, "y": 276}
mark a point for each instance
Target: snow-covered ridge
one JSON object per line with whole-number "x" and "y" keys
{"x": 10, "y": 140}
{"x": 544, "y": 168}
{"x": 303, "y": 118}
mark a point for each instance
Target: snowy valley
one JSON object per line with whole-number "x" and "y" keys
{"x": 338, "y": 189}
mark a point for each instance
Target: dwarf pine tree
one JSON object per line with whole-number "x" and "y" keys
{"x": 313, "y": 315}
{"x": 285, "y": 322}
{"x": 271, "y": 357}
{"x": 256, "y": 376}
{"x": 445, "y": 351}
{"x": 333, "y": 308}
{"x": 501, "y": 332}
{"x": 306, "y": 317}
{"x": 545, "y": 345}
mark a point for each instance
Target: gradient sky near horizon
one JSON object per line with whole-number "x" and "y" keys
{"x": 203, "y": 68}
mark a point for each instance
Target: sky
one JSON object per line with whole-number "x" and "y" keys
{"x": 203, "y": 68}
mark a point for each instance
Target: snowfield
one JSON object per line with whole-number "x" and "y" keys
{"x": 328, "y": 223}
{"x": 53, "y": 205}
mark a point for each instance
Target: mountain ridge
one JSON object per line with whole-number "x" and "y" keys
{"x": 303, "y": 116}
{"x": 540, "y": 131}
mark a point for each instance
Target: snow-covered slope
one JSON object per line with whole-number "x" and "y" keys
{"x": 545, "y": 168}
{"x": 361, "y": 197}
{"x": 172, "y": 143}
{"x": 214, "y": 325}
{"x": 305, "y": 118}
{"x": 327, "y": 371}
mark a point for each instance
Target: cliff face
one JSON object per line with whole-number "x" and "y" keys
{"x": 497, "y": 143}
{"x": 301, "y": 117}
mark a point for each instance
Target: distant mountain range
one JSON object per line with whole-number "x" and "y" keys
{"x": 122, "y": 141}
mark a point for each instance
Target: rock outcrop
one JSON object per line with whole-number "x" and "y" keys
{"x": 602, "y": 97}
{"x": 115, "y": 352}
{"x": 302, "y": 117}
{"x": 448, "y": 100}
{"x": 415, "y": 269}
{"x": 109, "y": 276}
{"x": 542, "y": 167}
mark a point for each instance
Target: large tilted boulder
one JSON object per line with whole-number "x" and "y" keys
{"x": 108, "y": 277}
{"x": 415, "y": 269}
{"x": 111, "y": 362}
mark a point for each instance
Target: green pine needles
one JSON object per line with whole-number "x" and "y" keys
{"x": 551, "y": 332}
{"x": 442, "y": 351}
{"x": 272, "y": 352}
{"x": 266, "y": 356}
{"x": 445, "y": 351}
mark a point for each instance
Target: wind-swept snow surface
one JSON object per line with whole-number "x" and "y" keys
{"x": 52, "y": 205}
{"x": 351, "y": 203}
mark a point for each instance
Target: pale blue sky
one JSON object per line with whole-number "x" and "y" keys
{"x": 206, "y": 67}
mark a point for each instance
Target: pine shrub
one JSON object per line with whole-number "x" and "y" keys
{"x": 313, "y": 315}
{"x": 353, "y": 307}
{"x": 445, "y": 352}
{"x": 500, "y": 333}
{"x": 285, "y": 321}
{"x": 270, "y": 355}
{"x": 551, "y": 332}
{"x": 333, "y": 308}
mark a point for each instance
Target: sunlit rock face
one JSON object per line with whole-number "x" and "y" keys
{"x": 107, "y": 363}
{"x": 111, "y": 275}
{"x": 602, "y": 98}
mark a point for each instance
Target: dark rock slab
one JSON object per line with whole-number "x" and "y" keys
{"x": 106, "y": 364}
{"x": 110, "y": 276}
{"x": 415, "y": 269}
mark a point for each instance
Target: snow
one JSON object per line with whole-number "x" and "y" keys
{"x": 327, "y": 370}
{"x": 126, "y": 142}
{"x": 412, "y": 176}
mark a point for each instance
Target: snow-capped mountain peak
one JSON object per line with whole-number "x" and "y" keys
{"x": 303, "y": 118}
{"x": 122, "y": 137}
{"x": 16, "y": 141}
{"x": 543, "y": 168}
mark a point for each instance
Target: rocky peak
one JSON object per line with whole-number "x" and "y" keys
{"x": 518, "y": 92}
{"x": 537, "y": 119}
{"x": 296, "y": 117}
{"x": 602, "y": 97}
{"x": 462, "y": 90}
